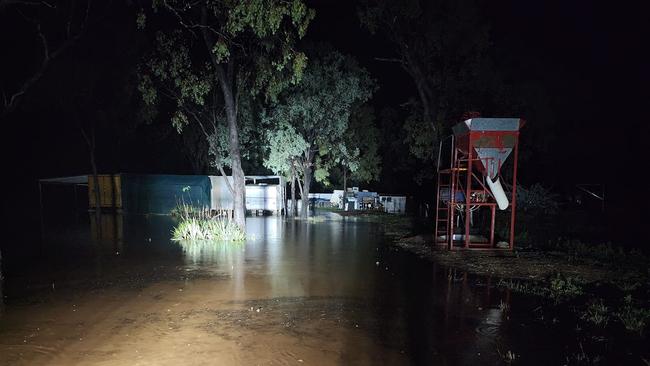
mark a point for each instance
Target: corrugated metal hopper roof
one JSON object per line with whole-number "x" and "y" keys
{"x": 488, "y": 124}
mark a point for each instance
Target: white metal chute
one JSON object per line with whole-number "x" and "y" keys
{"x": 498, "y": 192}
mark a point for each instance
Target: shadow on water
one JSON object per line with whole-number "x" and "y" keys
{"x": 329, "y": 280}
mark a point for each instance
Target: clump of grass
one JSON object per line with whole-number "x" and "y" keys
{"x": 634, "y": 319}
{"x": 596, "y": 313}
{"x": 604, "y": 254}
{"x": 627, "y": 285}
{"x": 523, "y": 287}
{"x": 559, "y": 287}
{"x": 184, "y": 210}
{"x": 198, "y": 223}
{"x": 222, "y": 229}
{"x": 600, "y": 253}
{"x": 508, "y": 357}
{"x": 564, "y": 287}
{"x": 504, "y": 307}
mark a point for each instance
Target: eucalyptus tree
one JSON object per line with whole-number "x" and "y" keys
{"x": 213, "y": 54}
{"x": 359, "y": 155}
{"x": 317, "y": 111}
{"x": 285, "y": 148}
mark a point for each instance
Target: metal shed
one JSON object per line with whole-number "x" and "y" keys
{"x": 393, "y": 203}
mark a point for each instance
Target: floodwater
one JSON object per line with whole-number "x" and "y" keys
{"x": 325, "y": 292}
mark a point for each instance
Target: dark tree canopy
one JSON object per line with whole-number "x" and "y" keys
{"x": 217, "y": 54}
{"x": 442, "y": 45}
{"x": 317, "y": 110}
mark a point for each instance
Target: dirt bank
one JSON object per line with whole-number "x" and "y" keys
{"x": 529, "y": 265}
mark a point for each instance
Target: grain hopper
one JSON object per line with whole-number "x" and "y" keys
{"x": 474, "y": 171}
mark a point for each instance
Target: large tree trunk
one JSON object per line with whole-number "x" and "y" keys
{"x": 226, "y": 80}
{"x": 98, "y": 204}
{"x": 91, "y": 142}
{"x": 294, "y": 207}
{"x": 284, "y": 198}
{"x": 305, "y": 192}
{"x": 345, "y": 180}
{"x": 239, "y": 180}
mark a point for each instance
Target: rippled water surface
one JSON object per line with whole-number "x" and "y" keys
{"x": 327, "y": 291}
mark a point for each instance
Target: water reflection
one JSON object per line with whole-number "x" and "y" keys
{"x": 332, "y": 275}
{"x": 204, "y": 253}
{"x": 408, "y": 305}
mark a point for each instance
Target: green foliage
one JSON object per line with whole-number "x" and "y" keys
{"x": 359, "y": 151}
{"x": 221, "y": 51}
{"x": 420, "y": 137}
{"x": 141, "y": 20}
{"x": 248, "y": 45}
{"x": 559, "y": 288}
{"x": 250, "y": 128}
{"x": 171, "y": 73}
{"x": 316, "y": 111}
{"x": 285, "y": 148}
{"x": 184, "y": 210}
{"x": 443, "y": 47}
{"x": 564, "y": 287}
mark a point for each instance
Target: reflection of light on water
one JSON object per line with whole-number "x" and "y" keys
{"x": 211, "y": 253}
{"x": 272, "y": 254}
{"x": 492, "y": 319}
{"x": 221, "y": 257}
{"x": 263, "y": 228}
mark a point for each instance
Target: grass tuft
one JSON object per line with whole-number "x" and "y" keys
{"x": 198, "y": 223}
{"x": 596, "y": 313}
{"x": 633, "y": 318}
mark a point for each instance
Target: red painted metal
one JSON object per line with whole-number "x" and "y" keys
{"x": 463, "y": 179}
{"x": 452, "y": 201}
{"x": 468, "y": 191}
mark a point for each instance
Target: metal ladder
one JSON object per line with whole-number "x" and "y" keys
{"x": 445, "y": 180}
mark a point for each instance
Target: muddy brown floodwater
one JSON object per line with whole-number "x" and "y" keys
{"x": 324, "y": 292}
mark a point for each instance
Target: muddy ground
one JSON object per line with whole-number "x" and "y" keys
{"x": 524, "y": 265}
{"x": 190, "y": 324}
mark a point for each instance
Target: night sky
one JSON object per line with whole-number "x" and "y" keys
{"x": 589, "y": 60}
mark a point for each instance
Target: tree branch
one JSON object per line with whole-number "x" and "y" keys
{"x": 300, "y": 185}
{"x": 191, "y": 26}
{"x": 225, "y": 177}
{"x": 7, "y": 3}
{"x": 48, "y": 55}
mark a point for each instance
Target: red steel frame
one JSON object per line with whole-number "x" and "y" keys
{"x": 462, "y": 167}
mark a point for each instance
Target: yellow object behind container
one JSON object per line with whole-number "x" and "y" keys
{"x": 110, "y": 191}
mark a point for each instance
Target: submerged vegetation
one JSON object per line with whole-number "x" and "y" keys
{"x": 221, "y": 229}
{"x": 559, "y": 288}
{"x": 596, "y": 313}
{"x": 595, "y": 306}
{"x": 633, "y": 318}
{"x": 199, "y": 223}
{"x": 602, "y": 286}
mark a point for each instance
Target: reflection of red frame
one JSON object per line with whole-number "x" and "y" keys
{"x": 462, "y": 170}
